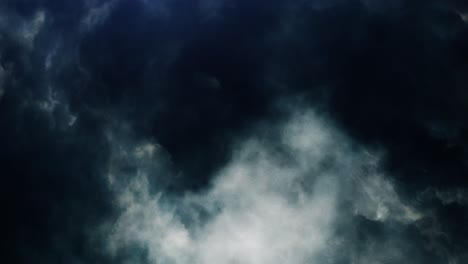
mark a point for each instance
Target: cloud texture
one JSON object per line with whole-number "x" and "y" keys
{"x": 156, "y": 131}
{"x": 272, "y": 203}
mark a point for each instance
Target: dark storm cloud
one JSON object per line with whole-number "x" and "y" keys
{"x": 187, "y": 77}
{"x": 105, "y": 104}
{"x": 51, "y": 164}
{"x": 70, "y": 70}
{"x": 396, "y": 77}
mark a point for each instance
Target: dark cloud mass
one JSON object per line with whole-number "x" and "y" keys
{"x": 177, "y": 131}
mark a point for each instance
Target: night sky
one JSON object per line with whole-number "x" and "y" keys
{"x": 234, "y": 131}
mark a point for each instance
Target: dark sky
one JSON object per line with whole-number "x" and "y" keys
{"x": 234, "y": 131}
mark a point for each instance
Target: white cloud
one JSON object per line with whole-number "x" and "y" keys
{"x": 267, "y": 205}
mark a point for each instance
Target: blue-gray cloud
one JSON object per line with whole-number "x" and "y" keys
{"x": 116, "y": 114}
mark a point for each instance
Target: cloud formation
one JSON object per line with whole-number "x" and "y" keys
{"x": 132, "y": 129}
{"x": 272, "y": 203}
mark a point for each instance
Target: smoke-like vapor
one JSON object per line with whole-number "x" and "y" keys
{"x": 278, "y": 200}
{"x": 148, "y": 131}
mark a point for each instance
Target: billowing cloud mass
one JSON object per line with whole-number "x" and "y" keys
{"x": 272, "y": 203}
{"x": 179, "y": 132}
